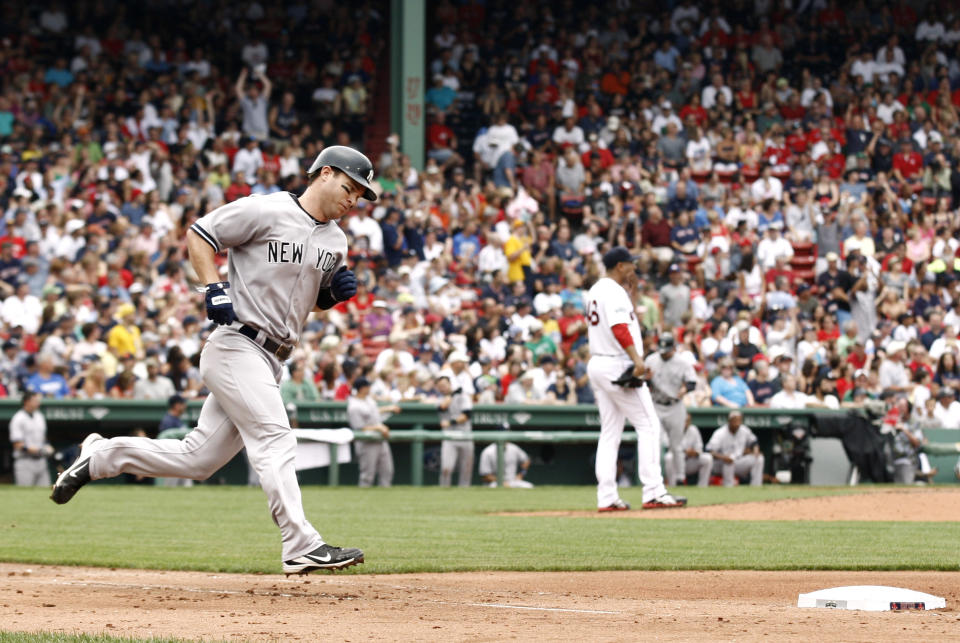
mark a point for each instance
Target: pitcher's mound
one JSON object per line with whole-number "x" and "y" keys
{"x": 913, "y": 505}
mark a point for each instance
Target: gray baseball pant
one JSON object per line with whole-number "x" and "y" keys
{"x": 375, "y": 460}
{"x": 456, "y": 454}
{"x": 244, "y": 409}
{"x": 673, "y": 419}
{"x": 31, "y": 472}
{"x": 741, "y": 466}
{"x": 700, "y": 465}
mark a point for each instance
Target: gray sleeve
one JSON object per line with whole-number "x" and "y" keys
{"x": 519, "y": 453}
{"x": 696, "y": 440}
{"x": 689, "y": 374}
{"x": 16, "y": 428}
{"x": 715, "y": 443}
{"x": 232, "y": 224}
{"x": 488, "y": 461}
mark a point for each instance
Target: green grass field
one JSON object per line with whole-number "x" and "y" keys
{"x": 405, "y": 529}
{"x": 58, "y": 637}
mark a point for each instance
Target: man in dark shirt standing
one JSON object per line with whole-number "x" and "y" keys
{"x": 176, "y": 405}
{"x": 835, "y": 284}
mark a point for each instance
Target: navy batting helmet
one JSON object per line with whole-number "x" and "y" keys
{"x": 667, "y": 342}
{"x": 349, "y": 161}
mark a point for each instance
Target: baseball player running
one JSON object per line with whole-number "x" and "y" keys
{"x": 286, "y": 259}
{"x": 615, "y": 347}
{"x": 670, "y": 377}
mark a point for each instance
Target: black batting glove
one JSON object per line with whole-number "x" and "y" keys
{"x": 344, "y": 284}
{"x": 219, "y": 305}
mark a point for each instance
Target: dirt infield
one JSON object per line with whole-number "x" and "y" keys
{"x": 901, "y": 505}
{"x": 489, "y": 606}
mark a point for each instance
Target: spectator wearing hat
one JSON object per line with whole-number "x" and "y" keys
{"x": 378, "y": 322}
{"x": 173, "y": 418}
{"x": 374, "y": 458}
{"x": 947, "y": 410}
{"x": 124, "y": 336}
{"x": 523, "y": 391}
{"x": 893, "y": 373}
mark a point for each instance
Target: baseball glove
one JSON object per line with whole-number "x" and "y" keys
{"x": 628, "y": 380}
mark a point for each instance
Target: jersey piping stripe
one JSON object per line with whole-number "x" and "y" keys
{"x": 304, "y": 210}
{"x": 205, "y": 236}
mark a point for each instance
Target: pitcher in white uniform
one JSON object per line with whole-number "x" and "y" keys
{"x": 286, "y": 260}
{"x": 616, "y": 345}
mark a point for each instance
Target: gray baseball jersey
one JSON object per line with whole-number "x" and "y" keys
{"x": 513, "y": 457}
{"x": 692, "y": 439}
{"x": 29, "y": 428}
{"x": 460, "y": 401}
{"x": 670, "y": 377}
{"x": 361, "y": 413}
{"x": 280, "y": 257}
{"x": 732, "y": 444}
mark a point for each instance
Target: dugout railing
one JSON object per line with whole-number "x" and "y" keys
{"x": 415, "y": 426}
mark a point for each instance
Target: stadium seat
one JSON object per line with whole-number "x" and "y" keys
{"x": 804, "y": 249}
{"x": 701, "y": 177}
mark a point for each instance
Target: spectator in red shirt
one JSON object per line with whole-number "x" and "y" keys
{"x": 543, "y": 63}
{"x": 573, "y": 325}
{"x": 655, "y": 234}
{"x": 832, "y": 18}
{"x": 239, "y": 188}
{"x": 606, "y": 158}
{"x": 543, "y": 84}
{"x": 442, "y": 143}
{"x": 908, "y": 165}
{"x": 834, "y": 162}
{"x": 694, "y": 109}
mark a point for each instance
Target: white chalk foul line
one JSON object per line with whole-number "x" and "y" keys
{"x": 203, "y": 590}
{"x": 507, "y": 606}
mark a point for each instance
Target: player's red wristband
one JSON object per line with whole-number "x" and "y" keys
{"x": 622, "y": 333}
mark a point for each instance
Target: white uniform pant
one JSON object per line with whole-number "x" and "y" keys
{"x": 374, "y": 460}
{"x": 673, "y": 419}
{"x": 617, "y": 404}
{"x": 456, "y": 454}
{"x": 741, "y": 466}
{"x": 31, "y": 472}
{"x": 700, "y": 465}
{"x": 244, "y": 409}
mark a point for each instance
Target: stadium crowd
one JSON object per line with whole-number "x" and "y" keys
{"x": 785, "y": 172}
